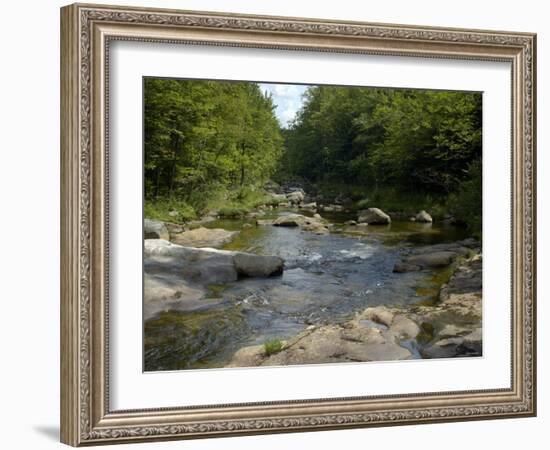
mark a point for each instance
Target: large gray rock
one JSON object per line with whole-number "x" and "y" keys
{"x": 206, "y": 265}
{"x": 204, "y": 237}
{"x": 196, "y": 265}
{"x": 155, "y": 229}
{"x": 295, "y": 197}
{"x": 424, "y": 217}
{"x": 373, "y": 216}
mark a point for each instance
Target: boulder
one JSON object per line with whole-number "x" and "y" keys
{"x": 204, "y": 237}
{"x": 251, "y": 265}
{"x": 350, "y": 222}
{"x": 155, "y": 229}
{"x": 297, "y": 220}
{"x": 424, "y": 217}
{"x": 196, "y": 265}
{"x": 317, "y": 216}
{"x": 373, "y": 216}
{"x": 295, "y": 197}
{"x": 205, "y": 266}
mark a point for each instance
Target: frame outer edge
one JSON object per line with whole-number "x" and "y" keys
{"x": 70, "y": 313}
{"x": 80, "y": 410}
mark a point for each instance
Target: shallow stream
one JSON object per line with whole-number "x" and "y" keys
{"x": 327, "y": 279}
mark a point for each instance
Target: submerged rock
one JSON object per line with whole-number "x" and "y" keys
{"x": 251, "y": 265}
{"x": 373, "y": 216}
{"x": 155, "y": 229}
{"x": 204, "y": 237}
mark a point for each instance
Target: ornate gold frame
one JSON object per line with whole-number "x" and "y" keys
{"x": 86, "y": 31}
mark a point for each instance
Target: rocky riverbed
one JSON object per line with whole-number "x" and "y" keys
{"x": 321, "y": 283}
{"x": 449, "y": 328}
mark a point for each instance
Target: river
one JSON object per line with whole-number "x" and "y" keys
{"x": 327, "y": 279}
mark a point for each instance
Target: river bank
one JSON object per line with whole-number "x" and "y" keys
{"x": 327, "y": 270}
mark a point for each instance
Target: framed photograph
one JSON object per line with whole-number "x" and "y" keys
{"x": 275, "y": 224}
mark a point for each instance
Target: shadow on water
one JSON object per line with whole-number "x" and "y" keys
{"x": 327, "y": 279}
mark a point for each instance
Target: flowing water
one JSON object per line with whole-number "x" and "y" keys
{"x": 327, "y": 279}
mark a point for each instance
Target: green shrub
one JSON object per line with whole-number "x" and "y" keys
{"x": 272, "y": 347}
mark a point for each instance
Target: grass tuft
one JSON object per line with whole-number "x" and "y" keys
{"x": 272, "y": 347}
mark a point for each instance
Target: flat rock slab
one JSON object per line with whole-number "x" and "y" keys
{"x": 374, "y": 335}
{"x": 204, "y": 237}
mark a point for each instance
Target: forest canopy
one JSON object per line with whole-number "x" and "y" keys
{"x": 208, "y": 142}
{"x": 207, "y": 137}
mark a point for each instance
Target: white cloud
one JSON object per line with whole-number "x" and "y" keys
{"x": 287, "y": 98}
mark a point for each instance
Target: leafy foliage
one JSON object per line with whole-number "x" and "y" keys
{"x": 375, "y": 137}
{"x": 390, "y": 142}
{"x": 205, "y": 137}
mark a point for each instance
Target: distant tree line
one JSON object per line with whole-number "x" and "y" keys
{"x": 407, "y": 139}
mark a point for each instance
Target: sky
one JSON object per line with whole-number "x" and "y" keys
{"x": 287, "y": 97}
